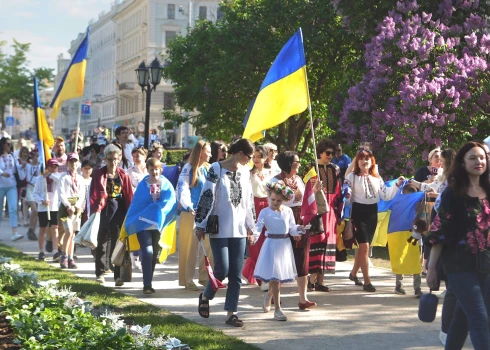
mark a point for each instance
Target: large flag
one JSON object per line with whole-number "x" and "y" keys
{"x": 44, "y": 135}
{"x": 73, "y": 82}
{"x": 309, "y": 209}
{"x": 283, "y": 93}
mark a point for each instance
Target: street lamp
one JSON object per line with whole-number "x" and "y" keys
{"x": 148, "y": 78}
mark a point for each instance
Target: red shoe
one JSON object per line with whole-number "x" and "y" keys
{"x": 307, "y": 305}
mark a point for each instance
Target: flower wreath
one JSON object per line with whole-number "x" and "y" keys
{"x": 283, "y": 190}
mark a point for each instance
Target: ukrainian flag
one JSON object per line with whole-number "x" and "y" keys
{"x": 283, "y": 93}
{"x": 73, "y": 82}
{"x": 44, "y": 135}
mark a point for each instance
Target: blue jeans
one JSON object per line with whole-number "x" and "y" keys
{"x": 448, "y": 308}
{"x": 12, "y": 200}
{"x": 471, "y": 291}
{"x": 149, "y": 249}
{"x": 228, "y": 256}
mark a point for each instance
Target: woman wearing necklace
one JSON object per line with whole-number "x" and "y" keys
{"x": 289, "y": 164}
{"x": 364, "y": 187}
{"x": 260, "y": 175}
{"x": 8, "y": 185}
{"x": 111, "y": 194}
{"x": 323, "y": 244}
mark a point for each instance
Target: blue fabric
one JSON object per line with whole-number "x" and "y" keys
{"x": 343, "y": 162}
{"x": 196, "y": 191}
{"x": 12, "y": 200}
{"x": 228, "y": 256}
{"x": 471, "y": 290}
{"x": 161, "y": 212}
{"x": 148, "y": 241}
{"x": 171, "y": 173}
{"x": 403, "y": 208}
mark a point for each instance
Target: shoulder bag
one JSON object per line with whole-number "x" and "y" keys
{"x": 348, "y": 235}
{"x": 212, "y": 226}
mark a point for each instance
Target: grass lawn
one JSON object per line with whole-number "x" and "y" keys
{"x": 135, "y": 311}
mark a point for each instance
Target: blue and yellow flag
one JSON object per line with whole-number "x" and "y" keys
{"x": 73, "y": 83}
{"x": 44, "y": 134}
{"x": 283, "y": 93}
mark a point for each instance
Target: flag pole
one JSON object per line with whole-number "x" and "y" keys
{"x": 77, "y": 130}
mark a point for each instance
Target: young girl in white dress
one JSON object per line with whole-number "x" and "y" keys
{"x": 275, "y": 264}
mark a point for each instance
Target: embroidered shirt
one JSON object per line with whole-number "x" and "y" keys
{"x": 259, "y": 181}
{"x": 368, "y": 189}
{"x": 277, "y": 222}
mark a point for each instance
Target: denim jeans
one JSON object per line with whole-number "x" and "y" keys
{"x": 228, "y": 262}
{"x": 12, "y": 200}
{"x": 448, "y": 308}
{"x": 471, "y": 291}
{"x": 149, "y": 251}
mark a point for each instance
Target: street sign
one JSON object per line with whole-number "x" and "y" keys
{"x": 86, "y": 109}
{"x": 9, "y": 121}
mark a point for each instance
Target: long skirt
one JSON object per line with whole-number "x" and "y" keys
{"x": 301, "y": 249}
{"x": 323, "y": 245}
{"x": 254, "y": 250}
{"x": 276, "y": 260}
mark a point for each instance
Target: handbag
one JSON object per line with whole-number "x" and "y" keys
{"x": 212, "y": 226}
{"x": 126, "y": 270}
{"x": 348, "y": 235}
{"x": 117, "y": 258}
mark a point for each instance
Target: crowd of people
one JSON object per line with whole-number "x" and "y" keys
{"x": 243, "y": 201}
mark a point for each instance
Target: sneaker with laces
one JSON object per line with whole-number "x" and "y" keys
{"x": 63, "y": 262}
{"x": 279, "y": 316}
{"x": 41, "y": 256}
{"x": 400, "y": 290}
{"x": 16, "y": 236}
{"x": 56, "y": 256}
{"x": 31, "y": 235}
{"x": 72, "y": 264}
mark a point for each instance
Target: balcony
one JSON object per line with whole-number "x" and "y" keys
{"x": 127, "y": 89}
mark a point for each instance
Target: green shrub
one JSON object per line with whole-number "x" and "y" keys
{"x": 175, "y": 156}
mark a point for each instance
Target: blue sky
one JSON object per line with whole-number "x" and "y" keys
{"x": 49, "y": 25}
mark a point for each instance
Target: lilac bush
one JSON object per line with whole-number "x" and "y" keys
{"x": 426, "y": 84}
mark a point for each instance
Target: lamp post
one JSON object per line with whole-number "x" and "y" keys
{"x": 148, "y": 78}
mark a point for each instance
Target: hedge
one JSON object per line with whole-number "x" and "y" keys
{"x": 173, "y": 156}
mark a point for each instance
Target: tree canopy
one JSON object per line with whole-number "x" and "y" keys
{"x": 16, "y": 80}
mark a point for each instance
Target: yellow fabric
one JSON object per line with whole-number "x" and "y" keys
{"x": 340, "y": 241}
{"x": 168, "y": 241}
{"x": 276, "y": 103}
{"x": 45, "y": 134}
{"x": 72, "y": 87}
{"x": 381, "y": 234}
{"x": 404, "y": 257}
{"x": 309, "y": 175}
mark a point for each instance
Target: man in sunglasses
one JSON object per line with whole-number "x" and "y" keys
{"x": 341, "y": 160}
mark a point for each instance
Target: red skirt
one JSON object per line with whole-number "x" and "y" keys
{"x": 254, "y": 250}
{"x": 301, "y": 249}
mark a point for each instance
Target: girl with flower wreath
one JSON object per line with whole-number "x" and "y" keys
{"x": 275, "y": 264}
{"x": 459, "y": 231}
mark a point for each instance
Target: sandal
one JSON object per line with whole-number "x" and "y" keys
{"x": 322, "y": 288}
{"x": 203, "y": 308}
{"x": 234, "y": 321}
{"x": 310, "y": 286}
{"x": 355, "y": 280}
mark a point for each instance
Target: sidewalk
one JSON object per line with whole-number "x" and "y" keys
{"x": 346, "y": 318}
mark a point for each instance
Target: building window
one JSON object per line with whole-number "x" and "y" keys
{"x": 171, "y": 11}
{"x": 220, "y": 14}
{"x": 169, "y": 37}
{"x": 203, "y": 12}
{"x": 168, "y": 100}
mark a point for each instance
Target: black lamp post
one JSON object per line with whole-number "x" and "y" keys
{"x": 148, "y": 78}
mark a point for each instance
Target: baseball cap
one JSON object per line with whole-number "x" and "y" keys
{"x": 72, "y": 156}
{"x": 52, "y": 161}
{"x": 60, "y": 139}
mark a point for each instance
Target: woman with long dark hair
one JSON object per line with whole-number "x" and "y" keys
{"x": 364, "y": 187}
{"x": 218, "y": 152}
{"x": 458, "y": 233}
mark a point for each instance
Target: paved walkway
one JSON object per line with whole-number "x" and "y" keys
{"x": 346, "y": 318}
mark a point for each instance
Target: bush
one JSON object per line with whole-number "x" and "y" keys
{"x": 174, "y": 156}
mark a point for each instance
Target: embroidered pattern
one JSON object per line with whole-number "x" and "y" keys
{"x": 212, "y": 176}
{"x": 277, "y": 235}
{"x": 235, "y": 188}
{"x": 204, "y": 206}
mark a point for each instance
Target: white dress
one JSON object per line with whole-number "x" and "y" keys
{"x": 276, "y": 259}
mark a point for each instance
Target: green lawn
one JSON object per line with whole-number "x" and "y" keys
{"x": 135, "y": 311}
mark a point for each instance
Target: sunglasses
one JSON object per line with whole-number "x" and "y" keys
{"x": 367, "y": 150}
{"x": 249, "y": 157}
{"x": 328, "y": 153}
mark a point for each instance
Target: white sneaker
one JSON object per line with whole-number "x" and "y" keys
{"x": 17, "y": 236}
{"x": 264, "y": 286}
{"x": 266, "y": 306}
{"x": 279, "y": 316}
{"x": 442, "y": 337}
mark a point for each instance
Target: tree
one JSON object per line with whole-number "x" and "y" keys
{"x": 16, "y": 81}
{"x": 427, "y": 83}
{"x": 218, "y": 68}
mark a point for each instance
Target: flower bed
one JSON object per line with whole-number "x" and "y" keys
{"x": 44, "y": 316}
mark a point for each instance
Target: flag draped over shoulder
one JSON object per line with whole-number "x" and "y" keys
{"x": 44, "y": 134}
{"x": 309, "y": 209}
{"x": 283, "y": 93}
{"x": 73, "y": 82}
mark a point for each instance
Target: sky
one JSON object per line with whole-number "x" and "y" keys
{"x": 49, "y": 25}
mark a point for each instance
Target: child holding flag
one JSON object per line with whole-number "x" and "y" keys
{"x": 275, "y": 264}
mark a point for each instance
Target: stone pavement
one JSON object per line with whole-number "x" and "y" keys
{"x": 346, "y": 318}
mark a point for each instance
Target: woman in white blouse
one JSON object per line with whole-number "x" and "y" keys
{"x": 364, "y": 187}
{"x": 191, "y": 180}
{"x": 227, "y": 193}
{"x": 138, "y": 171}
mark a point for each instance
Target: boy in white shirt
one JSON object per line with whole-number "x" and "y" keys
{"x": 46, "y": 195}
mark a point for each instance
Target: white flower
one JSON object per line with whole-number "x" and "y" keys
{"x": 25, "y": 307}
{"x": 173, "y": 343}
{"x": 48, "y": 283}
{"x": 32, "y": 339}
{"x": 140, "y": 330}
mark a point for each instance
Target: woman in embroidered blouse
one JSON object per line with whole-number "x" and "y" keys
{"x": 457, "y": 233}
{"x": 227, "y": 193}
{"x": 22, "y": 162}
{"x": 137, "y": 172}
{"x": 30, "y": 172}
{"x": 191, "y": 181}
{"x": 153, "y": 207}
{"x": 8, "y": 185}
{"x": 260, "y": 174}
{"x": 289, "y": 164}
{"x": 365, "y": 188}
